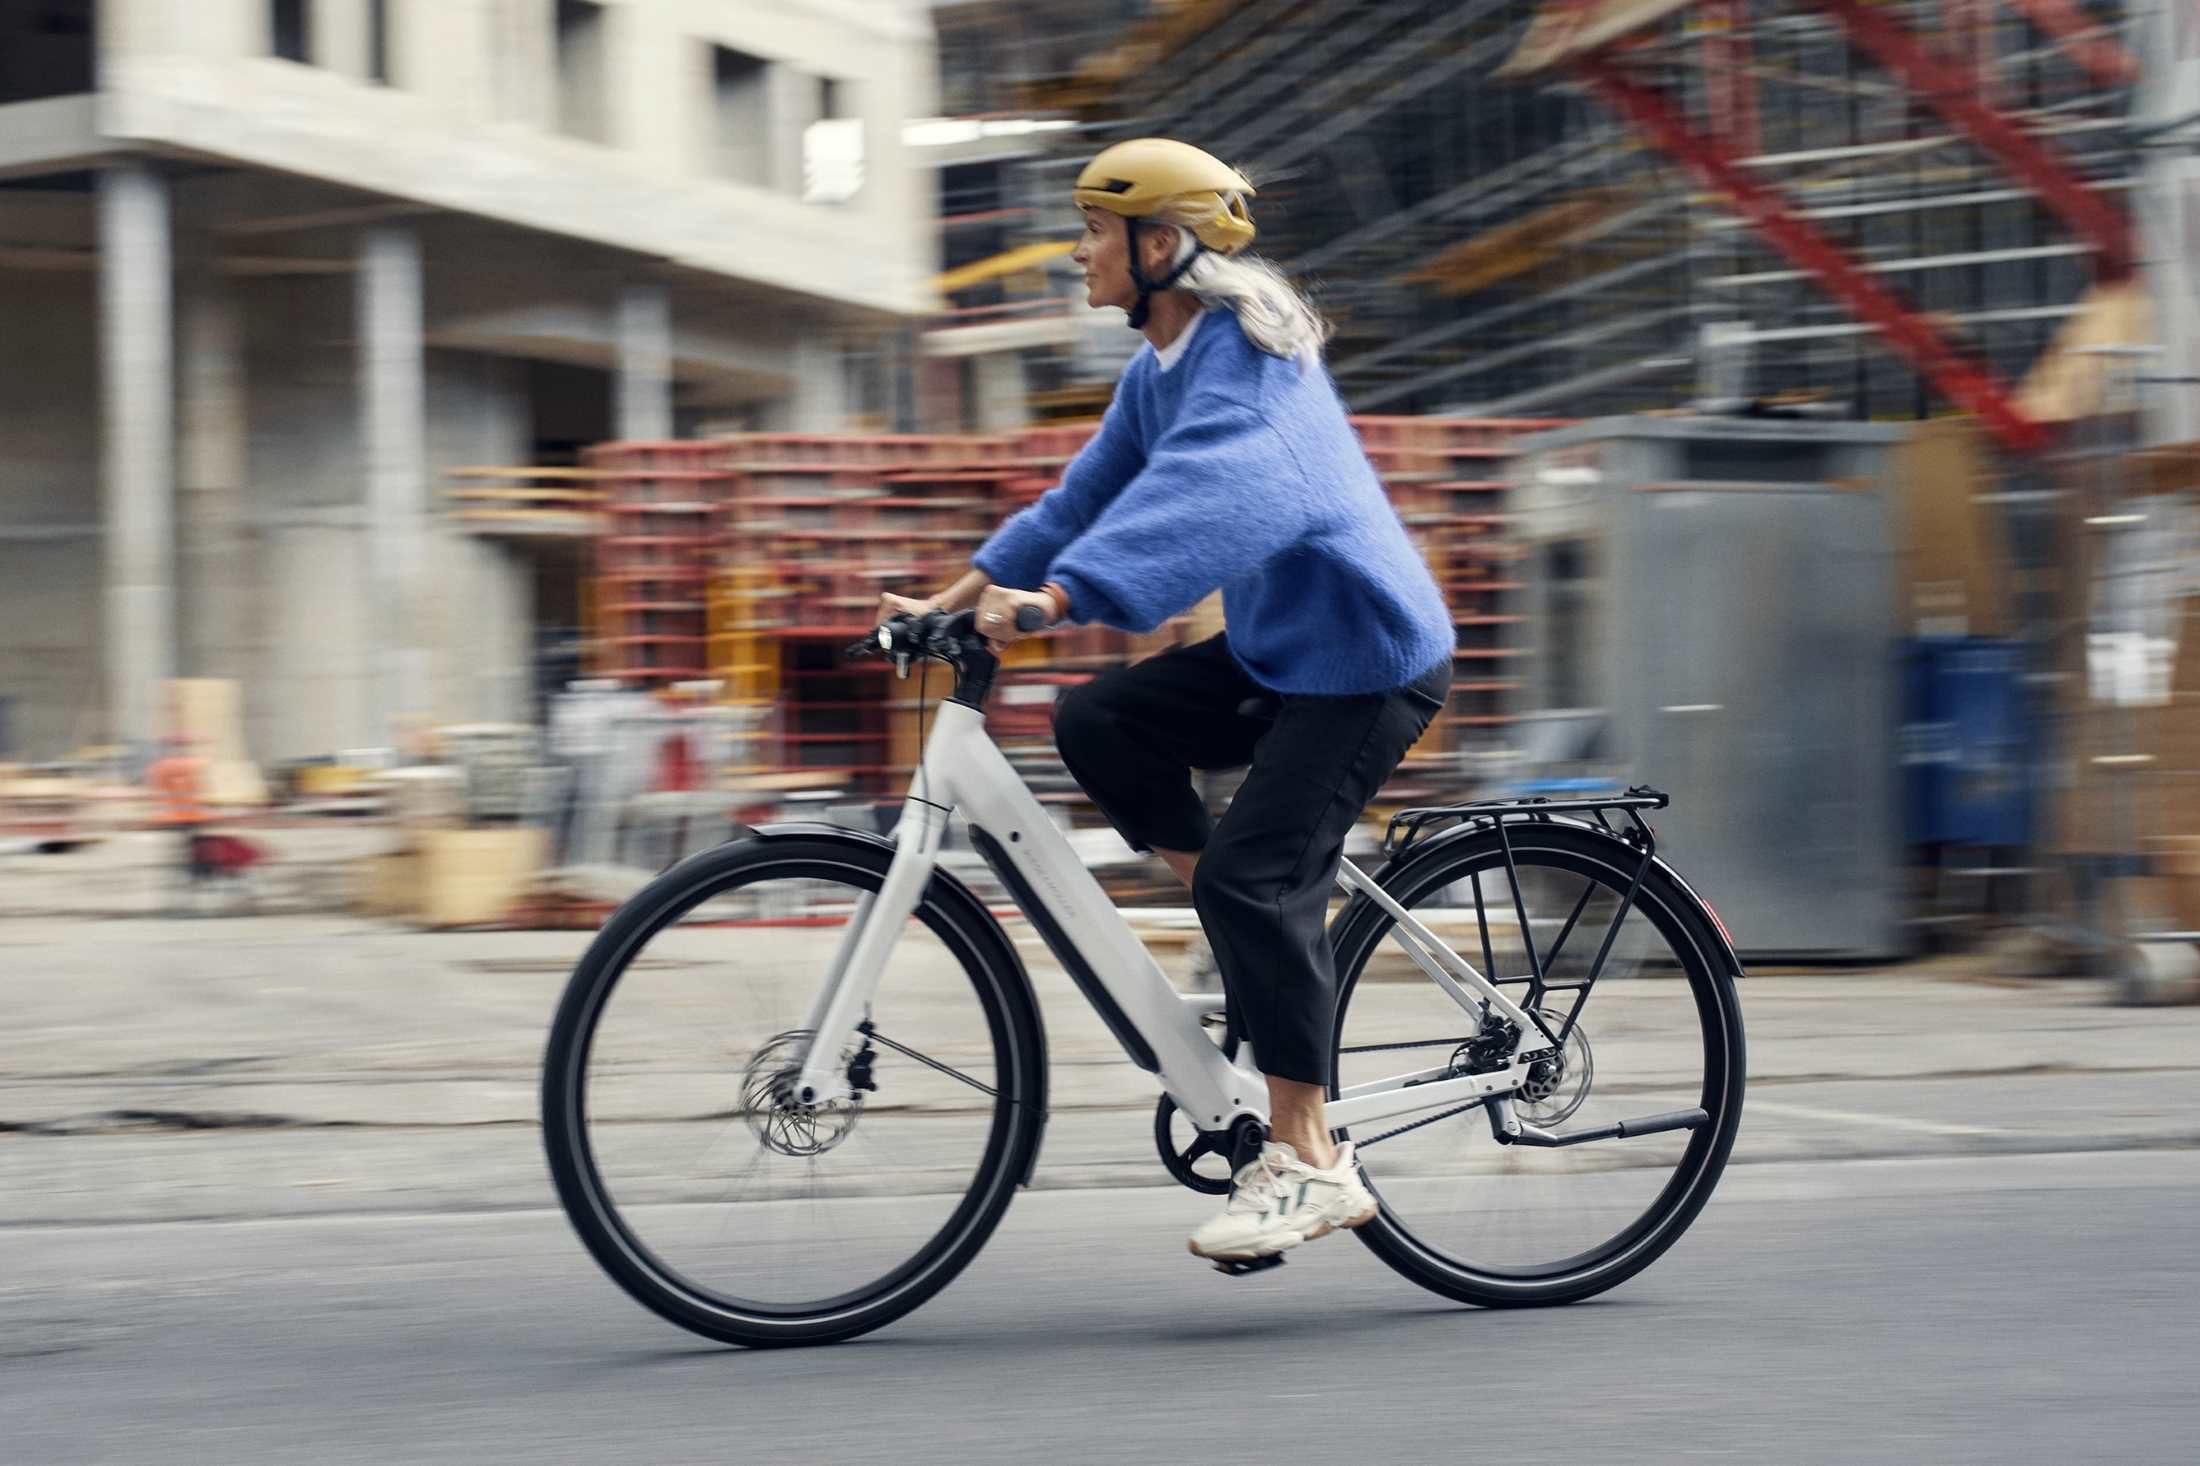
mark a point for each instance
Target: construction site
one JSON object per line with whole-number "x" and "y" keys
{"x": 1787, "y": 397}
{"x": 794, "y": 726}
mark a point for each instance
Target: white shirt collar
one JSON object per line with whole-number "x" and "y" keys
{"x": 1168, "y": 356}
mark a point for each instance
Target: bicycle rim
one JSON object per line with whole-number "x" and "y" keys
{"x": 709, "y": 1195}
{"x": 1655, "y": 1033}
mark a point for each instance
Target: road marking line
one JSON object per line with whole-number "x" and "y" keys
{"x": 1859, "y": 1117}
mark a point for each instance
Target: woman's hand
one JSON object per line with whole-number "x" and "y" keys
{"x": 997, "y": 608}
{"x": 890, "y": 606}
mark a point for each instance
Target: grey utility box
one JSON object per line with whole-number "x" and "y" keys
{"x": 1711, "y": 610}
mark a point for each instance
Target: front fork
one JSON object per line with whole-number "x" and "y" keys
{"x": 845, "y": 996}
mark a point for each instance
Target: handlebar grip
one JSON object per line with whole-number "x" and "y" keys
{"x": 1030, "y": 618}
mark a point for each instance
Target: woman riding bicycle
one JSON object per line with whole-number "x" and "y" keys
{"x": 1226, "y": 463}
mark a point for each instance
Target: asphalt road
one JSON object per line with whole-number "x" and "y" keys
{"x": 1990, "y": 1309}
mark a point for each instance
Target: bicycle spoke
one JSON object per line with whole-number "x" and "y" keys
{"x": 1550, "y": 959}
{"x": 1482, "y": 924}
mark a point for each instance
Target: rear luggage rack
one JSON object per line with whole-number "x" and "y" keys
{"x": 1407, "y": 826}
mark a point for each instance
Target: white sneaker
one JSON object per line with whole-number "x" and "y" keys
{"x": 1278, "y": 1201}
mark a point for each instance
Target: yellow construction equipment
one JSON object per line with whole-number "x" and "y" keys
{"x": 993, "y": 267}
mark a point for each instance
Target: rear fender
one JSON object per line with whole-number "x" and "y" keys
{"x": 1395, "y": 869}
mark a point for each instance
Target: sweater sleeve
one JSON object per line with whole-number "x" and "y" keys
{"x": 1017, "y": 553}
{"x": 1220, "y": 495}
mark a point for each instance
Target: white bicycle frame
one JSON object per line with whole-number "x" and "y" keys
{"x": 963, "y": 771}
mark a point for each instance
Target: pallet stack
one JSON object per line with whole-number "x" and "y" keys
{"x": 655, "y": 557}
{"x": 1476, "y": 561}
{"x": 1407, "y": 453}
{"x": 1038, "y": 672}
{"x": 756, "y": 559}
{"x": 830, "y": 522}
{"x": 741, "y": 619}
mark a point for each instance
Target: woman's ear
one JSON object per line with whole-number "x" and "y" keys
{"x": 1157, "y": 245}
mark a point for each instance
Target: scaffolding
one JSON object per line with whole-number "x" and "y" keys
{"x": 1558, "y": 240}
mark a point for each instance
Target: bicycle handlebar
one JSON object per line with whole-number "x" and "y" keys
{"x": 950, "y": 636}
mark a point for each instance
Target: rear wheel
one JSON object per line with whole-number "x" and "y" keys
{"x": 1659, "y": 1030}
{"x": 679, "y": 1152}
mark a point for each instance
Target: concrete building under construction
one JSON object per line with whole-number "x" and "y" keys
{"x": 270, "y": 271}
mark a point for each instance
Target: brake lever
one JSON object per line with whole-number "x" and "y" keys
{"x": 880, "y": 643}
{"x": 931, "y": 631}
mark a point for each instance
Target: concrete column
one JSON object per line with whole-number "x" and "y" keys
{"x": 997, "y": 380}
{"x": 218, "y": 583}
{"x": 523, "y": 65}
{"x": 450, "y": 51}
{"x": 792, "y": 104}
{"x": 162, "y": 27}
{"x": 137, "y": 466}
{"x": 393, "y": 434}
{"x": 343, "y": 36}
{"x": 643, "y": 412}
{"x": 652, "y": 75}
{"x": 819, "y": 401}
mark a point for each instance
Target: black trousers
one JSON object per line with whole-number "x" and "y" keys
{"x": 1133, "y": 735}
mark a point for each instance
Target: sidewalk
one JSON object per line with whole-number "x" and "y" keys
{"x": 299, "y": 1064}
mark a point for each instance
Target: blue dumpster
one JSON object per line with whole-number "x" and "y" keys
{"x": 1966, "y": 746}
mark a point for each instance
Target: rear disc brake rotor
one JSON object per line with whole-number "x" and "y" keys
{"x": 1557, "y": 1086}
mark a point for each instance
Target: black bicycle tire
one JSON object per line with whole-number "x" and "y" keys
{"x": 1011, "y": 1146}
{"x": 1359, "y": 930}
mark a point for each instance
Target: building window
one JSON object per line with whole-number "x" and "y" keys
{"x": 379, "y": 47}
{"x": 45, "y": 50}
{"x": 582, "y": 110}
{"x": 739, "y": 145}
{"x": 772, "y": 126}
{"x": 291, "y": 30}
{"x": 832, "y": 147}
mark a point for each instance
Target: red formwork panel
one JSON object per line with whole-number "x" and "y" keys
{"x": 1055, "y": 443}
{"x": 1479, "y": 436}
{"x": 1024, "y": 702}
{"x": 831, "y": 521}
{"x": 658, "y": 546}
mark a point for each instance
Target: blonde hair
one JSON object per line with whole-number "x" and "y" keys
{"x": 1270, "y": 310}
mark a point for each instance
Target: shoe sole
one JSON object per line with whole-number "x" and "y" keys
{"x": 1321, "y": 1231}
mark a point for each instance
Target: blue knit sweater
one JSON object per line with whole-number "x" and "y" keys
{"x": 1236, "y": 470}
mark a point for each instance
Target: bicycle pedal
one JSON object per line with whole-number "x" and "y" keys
{"x": 1238, "y": 1267}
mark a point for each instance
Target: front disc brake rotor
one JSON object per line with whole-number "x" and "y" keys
{"x": 779, "y": 1122}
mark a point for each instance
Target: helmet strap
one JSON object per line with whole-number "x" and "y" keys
{"x": 1147, "y": 288}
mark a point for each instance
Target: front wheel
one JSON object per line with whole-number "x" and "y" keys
{"x": 1658, "y": 1031}
{"x": 679, "y": 1152}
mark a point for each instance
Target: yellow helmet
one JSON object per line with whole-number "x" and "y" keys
{"x": 1139, "y": 178}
